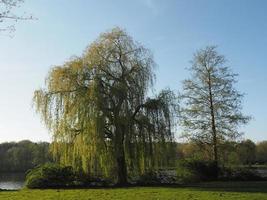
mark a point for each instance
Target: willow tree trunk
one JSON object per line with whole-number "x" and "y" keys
{"x": 120, "y": 157}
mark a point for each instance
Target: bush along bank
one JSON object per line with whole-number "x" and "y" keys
{"x": 188, "y": 171}
{"x": 56, "y": 176}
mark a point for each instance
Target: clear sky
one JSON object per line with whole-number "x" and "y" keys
{"x": 172, "y": 29}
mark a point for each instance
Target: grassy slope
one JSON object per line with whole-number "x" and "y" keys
{"x": 214, "y": 191}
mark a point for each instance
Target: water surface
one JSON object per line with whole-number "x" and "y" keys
{"x": 11, "y": 181}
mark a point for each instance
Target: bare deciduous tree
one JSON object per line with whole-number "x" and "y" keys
{"x": 212, "y": 106}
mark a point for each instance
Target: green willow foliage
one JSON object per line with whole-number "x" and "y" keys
{"x": 98, "y": 110}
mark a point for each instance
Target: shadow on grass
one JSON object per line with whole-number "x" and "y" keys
{"x": 231, "y": 186}
{"x": 219, "y": 186}
{"x": 247, "y": 187}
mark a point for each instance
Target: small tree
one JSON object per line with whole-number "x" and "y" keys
{"x": 261, "y": 152}
{"x": 211, "y": 110}
{"x": 246, "y": 151}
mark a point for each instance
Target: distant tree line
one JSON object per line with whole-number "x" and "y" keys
{"x": 22, "y": 156}
{"x": 232, "y": 153}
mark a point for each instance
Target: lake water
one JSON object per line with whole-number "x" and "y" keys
{"x": 11, "y": 181}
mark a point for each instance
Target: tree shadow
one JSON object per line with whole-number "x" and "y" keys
{"x": 246, "y": 187}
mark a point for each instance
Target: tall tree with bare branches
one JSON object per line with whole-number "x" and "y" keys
{"x": 212, "y": 106}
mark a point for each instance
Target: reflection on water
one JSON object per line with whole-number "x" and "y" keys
{"x": 11, "y": 181}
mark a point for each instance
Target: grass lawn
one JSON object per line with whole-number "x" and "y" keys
{"x": 207, "y": 191}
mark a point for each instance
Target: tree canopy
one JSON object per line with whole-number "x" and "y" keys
{"x": 98, "y": 109}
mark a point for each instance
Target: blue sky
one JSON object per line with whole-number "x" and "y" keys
{"x": 173, "y": 30}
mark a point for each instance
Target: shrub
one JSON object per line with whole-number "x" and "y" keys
{"x": 50, "y": 176}
{"x": 56, "y": 176}
{"x": 160, "y": 177}
{"x": 148, "y": 178}
{"x": 185, "y": 175}
{"x": 190, "y": 170}
{"x": 240, "y": 174}
{"x": 85, "y": 180}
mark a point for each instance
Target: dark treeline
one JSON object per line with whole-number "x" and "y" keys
{"x": 22, "y": 156}
{"x": 245, "y": 152}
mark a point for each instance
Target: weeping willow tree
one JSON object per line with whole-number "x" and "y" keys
{"x": 98, "y": 110}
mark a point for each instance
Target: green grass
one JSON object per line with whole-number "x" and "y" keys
{"x": 207, "y": 191}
